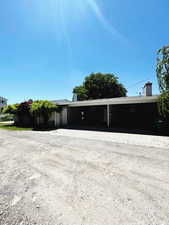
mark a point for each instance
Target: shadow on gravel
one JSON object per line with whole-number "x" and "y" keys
{"x": 44, "y": 129}
{"x": 121, "y": 130}
{"x": 161, "y": 132}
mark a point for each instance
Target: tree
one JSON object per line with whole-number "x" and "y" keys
{"x": 23, "y": 109}
{"x": 99, "y": 86}
{"x": 162, "y": 71}
{"x": 163, "y": 68}
{"x": 81, "y": 92}
{"x": 27, "y": 112}
{"x": 163, "y": 104}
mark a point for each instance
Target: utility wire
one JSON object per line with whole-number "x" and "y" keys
{"x": 139, "y": 82}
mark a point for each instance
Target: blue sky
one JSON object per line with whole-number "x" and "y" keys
{"x": 48, "y": 46}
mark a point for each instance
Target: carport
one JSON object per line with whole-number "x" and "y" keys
{"x": 88, "y": 115}
{"x": 123, "y": 111}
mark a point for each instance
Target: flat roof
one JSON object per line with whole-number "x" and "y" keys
{"x": 116, "y": 101}
{"x": 61, "y": 102}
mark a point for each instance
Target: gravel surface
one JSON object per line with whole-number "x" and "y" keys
{"x": 68, "y": 177}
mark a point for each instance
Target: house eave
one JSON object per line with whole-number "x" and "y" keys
{"x": 116, "y": 101}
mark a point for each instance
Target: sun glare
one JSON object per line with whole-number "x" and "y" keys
{"x": 67, "y": 13}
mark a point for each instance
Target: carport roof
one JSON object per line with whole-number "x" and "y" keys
{"x": 61, "y": 102}
{"x": 116, "y": 101}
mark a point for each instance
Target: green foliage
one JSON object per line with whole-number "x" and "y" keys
{"x": 27, "y": 112}
{"x": 99, "y": 86}
{"x": 81, "y": 93}
{"x": 163, "y": 80}
{"x": 10, "y": 109}
{"x": 163, "y": 68}
{"x": 43, "y": 108}
{"x": 163, "y": 104}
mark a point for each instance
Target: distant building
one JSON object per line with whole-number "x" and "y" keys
{"x": 3, "y": 102}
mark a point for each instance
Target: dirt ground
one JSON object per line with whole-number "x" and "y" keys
{"x": 68, "y": 177}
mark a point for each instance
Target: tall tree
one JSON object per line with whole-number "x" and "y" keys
{"x": 99, "y": 86}
{"x": 163, "y": 68}
{"x": 163, "y": 80}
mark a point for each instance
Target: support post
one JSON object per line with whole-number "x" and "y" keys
{"x": 55, "y": 119}
{"x": 108, "y": 116}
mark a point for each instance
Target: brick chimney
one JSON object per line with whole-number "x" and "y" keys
{"x": 148, "y": 89}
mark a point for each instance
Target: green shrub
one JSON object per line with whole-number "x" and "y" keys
{"x": 44, "y": 109}
{"x": 10, "y": 109}
{"x": 163, "y": 104}
{"x": 26, "y": 113}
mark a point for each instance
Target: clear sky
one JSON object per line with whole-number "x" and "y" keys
{"x": 48, "y": 46}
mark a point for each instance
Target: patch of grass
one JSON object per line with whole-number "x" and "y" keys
{"x": 9, "y": 126}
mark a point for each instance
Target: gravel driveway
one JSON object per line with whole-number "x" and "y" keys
{"x": 68, "y": 177}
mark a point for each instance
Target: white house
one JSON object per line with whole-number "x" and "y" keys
{"x": 3, "y": 102}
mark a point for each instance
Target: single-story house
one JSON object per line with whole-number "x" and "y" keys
{"x": 124, "y": 111}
